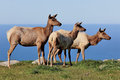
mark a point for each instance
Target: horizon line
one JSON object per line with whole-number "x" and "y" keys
{"x": 63, "y": 24}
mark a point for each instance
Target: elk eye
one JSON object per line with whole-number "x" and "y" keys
{"x": 53, "y": 19}
{"x": 103, "y": 33}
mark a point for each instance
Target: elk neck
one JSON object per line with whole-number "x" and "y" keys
{"x": 48, "y": 29}
{"x": 74, "y": 34}
{"x": 94, "y": 40}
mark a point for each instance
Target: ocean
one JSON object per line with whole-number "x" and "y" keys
{"x": 106, "y": 49}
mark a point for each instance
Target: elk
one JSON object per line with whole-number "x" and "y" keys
{"x": 83, "y": 41}
{"x": 31, "y": 36}
{"x": 59, "y": 41}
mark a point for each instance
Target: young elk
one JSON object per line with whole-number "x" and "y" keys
{"x": 83, "y": 41}
{"x": 36, "y": 36}
{"x": 59, "y": 41}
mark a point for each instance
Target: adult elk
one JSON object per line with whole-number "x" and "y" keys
{"x": 83, "y": 41}
{"x": 28, "y": 36}
{"x": 60, "y": 41}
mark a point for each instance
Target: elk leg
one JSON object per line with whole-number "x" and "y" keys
{"x": 53, "y": 52}
{"x": 55, "y": 55}
{"x": 59, "y": 55}
{"x": 64, "y": 57}
{"x": 12, "y": 47}
{"x": 42, "y": 49}
{"x": 50, "y": 50}
{"x": 39, "y": 52}
{"x": 55, "y": 58}
{"x": 83, "y": 55}
{"x": 78, "y": 53}
{"x": 69, "y": 57}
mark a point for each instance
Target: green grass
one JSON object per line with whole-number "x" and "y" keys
{"x": 84, "y": 70}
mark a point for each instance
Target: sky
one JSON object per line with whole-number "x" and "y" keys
{"x": 69, "y": 11}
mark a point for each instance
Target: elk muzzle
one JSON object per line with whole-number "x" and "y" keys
{"x": 60, "y": 24}
{"x": 109, "y": 38}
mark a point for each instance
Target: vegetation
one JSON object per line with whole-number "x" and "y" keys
{"x": 84, "y": 70}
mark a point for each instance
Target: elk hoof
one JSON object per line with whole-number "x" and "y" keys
{"x": 70, "y": 64}
{"x": 47, "y": 63}
{"x": 43, "y": 63}
{"x": 8, "y": 66}
{"x": 39, "y": 64}
{"x": 51, "y": 65}
{"x": 64, "y": 65}
{"x": 75, "y": 62}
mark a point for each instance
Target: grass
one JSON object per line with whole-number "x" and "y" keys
{"x": 84, "y": 70}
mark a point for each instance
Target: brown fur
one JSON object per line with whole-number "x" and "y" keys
{"x": 58, "y": 41}
{"x": 93, "y": 40}
{"x": 36, "y": 36}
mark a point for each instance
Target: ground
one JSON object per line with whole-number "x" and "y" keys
{"x": 84, "y": 70}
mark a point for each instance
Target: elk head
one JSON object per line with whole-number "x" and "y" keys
{"x": 103, "y": 35}
{"x": 53, "y": 21}
{"x": 79, "y": 27}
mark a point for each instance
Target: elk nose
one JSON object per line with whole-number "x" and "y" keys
{"x": 60, "y": 24}
{"x": 84, "y": 29}
{"x": 109, "y": 38}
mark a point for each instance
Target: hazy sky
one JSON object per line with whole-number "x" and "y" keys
{"x": 69, "y": 11}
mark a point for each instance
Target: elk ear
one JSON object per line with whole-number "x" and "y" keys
{"x": 55, "y": 15}
{"x": 77, "y": 23}
{"x": 49, "y": 16}
{"x": 99, "y": 29}
{"x": 104, "y": 29}
{"x": 80, "y": 23}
